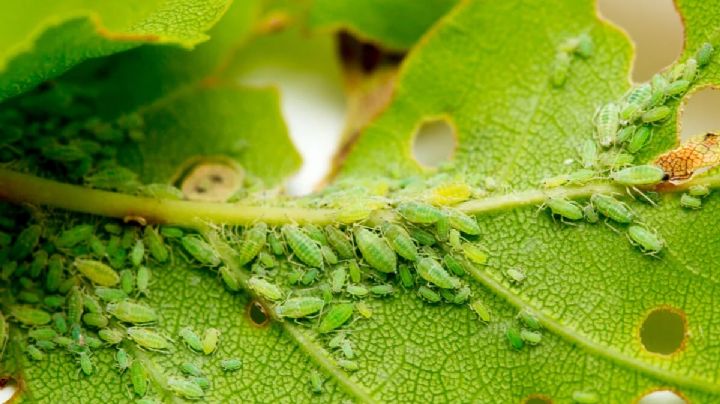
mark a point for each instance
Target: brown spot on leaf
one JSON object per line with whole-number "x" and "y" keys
{"x": 257, "y": 314}
{"x": 699, "y": 152}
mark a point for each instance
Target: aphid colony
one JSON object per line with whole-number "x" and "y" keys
{"x": 80, "y": 289}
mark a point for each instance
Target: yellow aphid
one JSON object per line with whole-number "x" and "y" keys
{"x": 450, "y": 194}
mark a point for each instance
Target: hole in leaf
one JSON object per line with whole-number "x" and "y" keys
{"x": 211, "y": 181}
{"x": 663, "y": 331}
{"x": 655, "y": 27}
{"x": 700, "y": 113}
{"x": 662, "y": 397}
{"x": 537, "y": 399}
{"x": 434, "y": 143}
{"x": 8, "y": 389}
{"x": 257, "y": 314}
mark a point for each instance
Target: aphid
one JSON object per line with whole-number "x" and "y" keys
{"x": 127, "y": 280}
{"x": 253, "y": 241}
{"x": 474, "y": 253}
{"x": 428, "y": 294}
{"x": 529, "y": 320}
{"x": 639, "y": 139}
{"x": 97, "y": 272}
{"x": 123, "y": 359}
{"x": 584, "y": 47}
{"x": 74, "y": 236}
{"x": 450, "y": 194}
{"x": 625, "y": 133}
{"x": 339, "y": 242}
{"x": 142, "y": 279}
{"x": 28, "y": 296}
{"x": 606, "y": 124}
{"x": 40, "y": 260}
{"x": 328, "y": 255}
{"x": 612, "y": 208}
{"x": 230, "y": 278}
{"x": 111, "y": 335}
{"x": 201, "y": 381}
{"x": 315, "y": 233}
{"x": 327, "y": 294}
{"x": 531, "y": 337}
{"x": 113, "y": 228}
{"x": 191, "y": 369}
{"x": 45, "y": 345}
{"x": 560, "y": 69}
{"x": 265, "y": 288}
{"x": 300, "y": 307}
{"x": 352, "y": 214}
{"x": 588, "y": 153}
{"x": 171, "y": 232}
{"x": 375, "y": 250}
{"x": 479, "y": 308}
{"x": 516, "y": 275}
{"x": 442, "y": 228}
{"x": 585, "y": 397}
{"x": 514, "y": 338}
{"x": 357, "y": 290}
{"x": 423, "y": 237}
{"x": 354, "y": 271}
{"x": 580, "y": 177}
{"x": 64, "y": 342}
{"x": 76, "y": 333}
{"x": 25, "y": 242}
{"x": 337, "y": 279}
{"x": 704, "y": 54}
{"x": 616, "y": 160}
{"x": 635, "y": 101}
{"x": 86, "y": 363}
{"x": 646, "y": 240}
{"x": 110, "y": 294}
{"x": 639, "y": 175}
{"x": 338, "y": 315}
{"x": 433, "y": 272}
{"x": 29, "y": 316}
{"x": 268, "y": 261}
{"x": 39, "y": 334}
{"x": 231, "y": 364}
{"x": 699, "y": 190}
{"x": 590, "y": 214}
{"x": 191, "y": 339}
{"x": 462, "y": 295}
{"x": 690, "y": 202}
{"x": 138, "y": 378}
{"x": 316, "y": 382}
{"x": 564, "y": 208}
{"x": 400, "y": 241}
{"x": 96, "y": 320}
{"x": 675, "y": 88}
{"x": 347, "y": 349}
{"x": 454, "y": 265}
{"x": 200, "y": 250}
{"x": 418, "y": 212}
{"x": 149, "y": 339}
{"x": 59, "y": 323}
{"x": 659, "y": 85}
{"x": 131, "y": 312}
{"x": 210, "y": 340}
{"x": 463, "y": 222}
{"x": 656, "y": 114}
{"x": 348, "y": 365}
{"x": 406, "y": 277}
{"x": 8, "y": 269}
{"x": 554, "y": 182}
{"x": 303, "y": 246}
{"x": 276, "y": 246}
{"x": 34, "y": 353}
{"x": 691, "y": 66}
{"x": 382, "y": 290}
{"x": 364, "y": 309}
{"x": 137, "y": 253}
{"x": 96, "y": 246}
{"x": 336, "y": 341}
{"x": 309, "y": 276}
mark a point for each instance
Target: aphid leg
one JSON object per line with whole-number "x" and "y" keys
{"x": 642, "y": 194}
{"x": 607, "y": 223}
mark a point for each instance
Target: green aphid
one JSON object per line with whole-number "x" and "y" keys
{"x": 131, "y": 312}
{"x": 29, "y": 316}
{"x": 531, "y": 337}
{"x": 265, "y": 289}
{"x": 529, "y": 320}
{"x": 253, "y": 241}
{"x": 138, "y": 378}
{"x": 580, "y": 177}
{"x": 97, "y": 246}
{"x": 26, "y": 282}
{"x": 639, "y": 175}
{"x": 588, "y": 153}
{"x": 65, "y": 342}
{"x": 27, "y": 296}
{"x": 201, "y": 381}
{"x": 111, "y": 295}
{"x": 336, "y": 341}
{"x": 127, "y": 281}
{"x": 316, "y": 382}
{"x": 191, "y": 339}
{"x": 336, "y": 316}
{"x": 34, "y": 353}
{"x": 326, "y": 292}
{"x": 294, "y": 276}
{"x": 400, "y": 241}
{"x": 481, "y": 310}
{"x": 309, "y": 277}
{"x": 704, "y": 54}
{"x": 230, "y": 278}
{"x": 97, "y": 272}
{"x": 635, "y": 101}
{"x": 428, "y": 294}
{"x": 116, "y": 252}
{"x": 616, "y": 160}
{"x": 305, "y": 248}
{"x": 354, "y": 271}
{"x": 347, "y": 349}
{"x": 112, "y": 178}
{"x": 516, "y": 275}
{"x": 656, "y": 114}
{"x": 76, "y": 333}
{"x": 299, "y": 307}
{"x": 184, "y": 388}
{"x": 39, "y": 263}
{"x": 42, "y": 334}
{"x": 25, "y": 242}
{"x": 268, "y": 261}
{"x": 464, "y": 223}
{"x": 646, "y": 240}
{"x": 59, "y": 323}
{"x": 475, "y": 254}
{"x": 113, "y": 228}
{"x": 91, "y": 304}
{"x": 162, "y": 191}
{"x": 585, "y": 46}
{"x": 348, "y": 365}
{"x": 639, "y": 139}
{"x": 155, "y": 245}
{"x": 691, "y": 69}
{"x": 424, "y": 237}
{"x": 462, "y": 295}
{"x": 406, "y": 277}
{"x": 357, "y": 290}
{"x": 171, "y": 232}
{"x": 96, "y": 320}
{"x": 560, "y": 69}
{"x": 376, "y": 252}
{"x": 607, "y": 123}
{"x": 92, "y": 342}
{"x": 276, "y": 246}
{"x": 554, "y": 182}
{"x": 585, "y": 397}
{"x": 45, "y": 345}
{"x": 626, "y": 133}
{"x": 200, "y": 250}
{"x": 67, "y": 284}
{"x": 659, "y": 85}
{"x": 315, "y": 233}
{"x": 149, "y": 339}
{"x": 337, "y": 279}
{"x": 363, "y": 309}
{"x": 191, "y": 369}
{"x": 442, "y": 228}
{"x": 329, "y": 255}
{"x": 678, "y": 87}
{"x": 86, "y": 364}
{"x": 514, "y": 338}
{"x": 111, "y": 336}
{"x": 75, "y": 235}
{"x": 8, "y": 269}
{"x": 231, "y": 364}
{"x": 612, "y": 208}
{"x": 123, "y": 360}
{"x": 210, "y": 341}
{"x": 454, "y": 265}
{"x": 137, "y": 253}
{"x": 564, "y": 208}
{"x": 418, "y": 212}
{"x": 339, "y": 242}
{"x": 382, "y": 290}
{"x": 142, "y": 280}
{"x": 698, "y": 191}
{"x": 690, "y": 202}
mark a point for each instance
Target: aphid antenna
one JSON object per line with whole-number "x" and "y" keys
{"x": 607, "y": 223}
{"x": 641, "y": 194}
